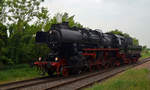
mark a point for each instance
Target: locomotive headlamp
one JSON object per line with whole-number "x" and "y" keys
{"x": 40, "y": 58}
{"x": 50, "y": 32}
{"x": 56, "y": 58}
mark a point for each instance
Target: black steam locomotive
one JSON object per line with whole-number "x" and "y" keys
{"x": 76, "y": 50}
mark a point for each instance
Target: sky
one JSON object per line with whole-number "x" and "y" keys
{"x": 129, "y": 16}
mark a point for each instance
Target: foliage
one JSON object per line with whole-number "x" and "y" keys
{"x": 17, "y": 72}
{"x": 144, "y": 47}
{"x": 22, "y": 12}
{"x": 2, "y": 9}
{"x": 135, "y": 41}
{"x": 145, "y": 52}
{"x": 62, "y": 17}
{"x": 20, "y": 46}
{"x": 3, "y": 38}
{"x": 129, "y": 80}
{"x": 118, "y": 32}
{"x": 70, "y": 19}
{"x": 3, "y": 34}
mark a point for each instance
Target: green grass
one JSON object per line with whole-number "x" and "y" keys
{"x": 134, "y": 79}
{"x": 145, "y": 54}
{"x": 16, "y": 73}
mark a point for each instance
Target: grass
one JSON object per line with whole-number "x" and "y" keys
{"x": 16, "y": 73}
{"x": 145, "y": 54}
{"x": 134, "y": 79}
{"x": 129, "y": 80}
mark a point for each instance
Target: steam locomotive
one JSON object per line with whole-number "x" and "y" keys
{"x": 77, "y": 50}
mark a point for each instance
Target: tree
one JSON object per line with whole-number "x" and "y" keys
{"x": 135, "y": 41}
{"x": 2, "y": 11}
{"x": 3, "y": 35}
{"x": 118, "y": 32}
{"x": 21, "y": 14}
{"x": 64, "y": 17}
{"x": 144, "y": 47}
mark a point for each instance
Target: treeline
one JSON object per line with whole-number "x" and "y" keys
{"x": 19, "y": 21}
{"x": 116, "y": 31}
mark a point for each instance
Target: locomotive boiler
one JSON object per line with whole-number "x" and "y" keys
{"x": 76, "y": 50}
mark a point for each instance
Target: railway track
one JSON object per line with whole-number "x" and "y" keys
{"x": 26, "y": 83}
{"x": 70, "y": 83}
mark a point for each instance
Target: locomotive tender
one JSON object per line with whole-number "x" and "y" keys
{"x": 76, "y": 50}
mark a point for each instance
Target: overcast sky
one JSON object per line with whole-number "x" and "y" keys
{"x": 130, "y": 16}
